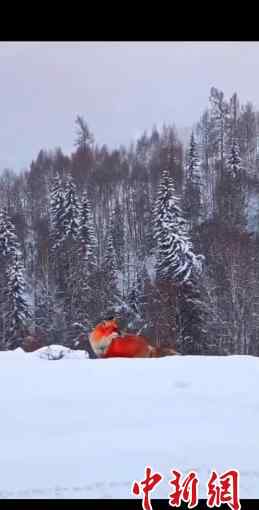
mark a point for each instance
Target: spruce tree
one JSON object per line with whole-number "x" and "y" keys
{"x": 171, "y": 156}
{"x": 118, "y": 234}
{"x": 234, "y": 161}
{"x": 17, "y": 308}
{"x": 176, "y": 262}
{"x": 70, "y": 215}
{"x": 65, "y": 254}
{"x": 110, "y": 294}
{"x": 190, "y": 319}
{"x": 231, "y": 191}
{"x": 87, "y": 235}
{"x": 110, "y": 260}
{"x": 14, "y": 309}
{"x": 57, "y": 232}
{"x": 84, "y": 137}
{"x": 87, "y": 271}
{"x": 238, "y": 187}
{"x": 57, "y": 212}
{"x": 45, "y": 311}
{"x": 176, "y": 259}
{"x": 137, "y": 299}
{"x": 71, "y": 256}
{"x": 192, "y": 192}
{"x": 8, "y": 239}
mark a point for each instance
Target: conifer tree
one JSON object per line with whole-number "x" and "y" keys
{"x": 87, "y": 235}
{"x": 14, "y": 309}
{"x": 17, "y": 312}
{"x": 118, "y": 234}
{"x": 70, "y": 216}
{"x": 8, "y": 239}
{"x": 65, "y": 254}
{"x": 231, "y": 191}
{"x": 45, "y": 311}
{"x": 176, "y": 259}
{"x": 137, "y": 298}
{"x": 176, "y": 262}
{"x": 84, "y": 137}
{"x": 234, "y": 161}
{"x": 109, "y": 288}
{"x": 192, "y": 192}
{"x": 57, "y": 212}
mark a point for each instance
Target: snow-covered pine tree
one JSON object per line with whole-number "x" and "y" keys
{"x": 11, "y": 292}
{"x": 231, "y": 190}
{"x": 57, "y": 212}
{"x": 70, "y": 245}
{"x": 109, "y": 259}
{"x": 234, "y": 160}
{"x": 110, "y": 294}
{"x": 175, "y": 257}
{"x": 191, "y": 318}
{"x": 45, "y": 310}
{"x": 57, "y": 232}
{"x": 171, "y": 156}
{"x": 177, "y": 264}
{"x": 137, "y": 299}
{"x": 87, "y": 277}
{"x": 8, "y": 239}
{"x": 238, "y": 186}
{"x": 70, "y": 216}
{"x": 64, "y": 211}
{"x": 219, "y": 119}
{"x": 148, "y": 242}
{"x": 192, "y": 191}
{"x": 87, "y": 235}
{"x": 17, "y": 310}
{"x": 118, "y": 234}
{"x": 65, "y": 257}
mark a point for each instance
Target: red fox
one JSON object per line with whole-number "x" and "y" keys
{"x": 107, "y": 342}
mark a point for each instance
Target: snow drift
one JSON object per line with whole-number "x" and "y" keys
{"x": 83, "y": 428}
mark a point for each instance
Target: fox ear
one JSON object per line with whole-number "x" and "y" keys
{"x": 110, "y": 319}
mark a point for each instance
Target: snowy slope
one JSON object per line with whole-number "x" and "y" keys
{"x": 84, "y": 428}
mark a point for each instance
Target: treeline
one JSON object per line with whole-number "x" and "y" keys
{"x": 155, "y": 234}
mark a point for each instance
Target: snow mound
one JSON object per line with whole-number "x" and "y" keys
{"x": 57, "y": 352}
{"x": 50, "y": 352}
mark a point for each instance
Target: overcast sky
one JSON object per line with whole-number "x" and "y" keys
{"x": 120, "y": 88}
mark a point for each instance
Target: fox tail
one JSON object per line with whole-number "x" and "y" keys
{"x": 159, "y": 352}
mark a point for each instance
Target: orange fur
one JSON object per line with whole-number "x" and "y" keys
{"x": 105, "y": 328}
{"x": 128, "y": 346}
{"x": 102, "y": 336}
{"x": 107, "y": 342}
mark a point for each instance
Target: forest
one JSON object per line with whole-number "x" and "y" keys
{"x": 161, "y": 234}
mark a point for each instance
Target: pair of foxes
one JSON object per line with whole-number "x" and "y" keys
{"x": 108, "y": 342}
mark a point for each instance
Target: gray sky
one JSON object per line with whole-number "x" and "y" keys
{"x": 120, "y": 88}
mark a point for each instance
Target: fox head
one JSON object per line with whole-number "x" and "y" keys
{"x": 103, "y": 334}
{"x": 107, "y": 327}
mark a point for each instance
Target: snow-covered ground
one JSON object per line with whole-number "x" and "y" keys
{"x": 82, "y": 428}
